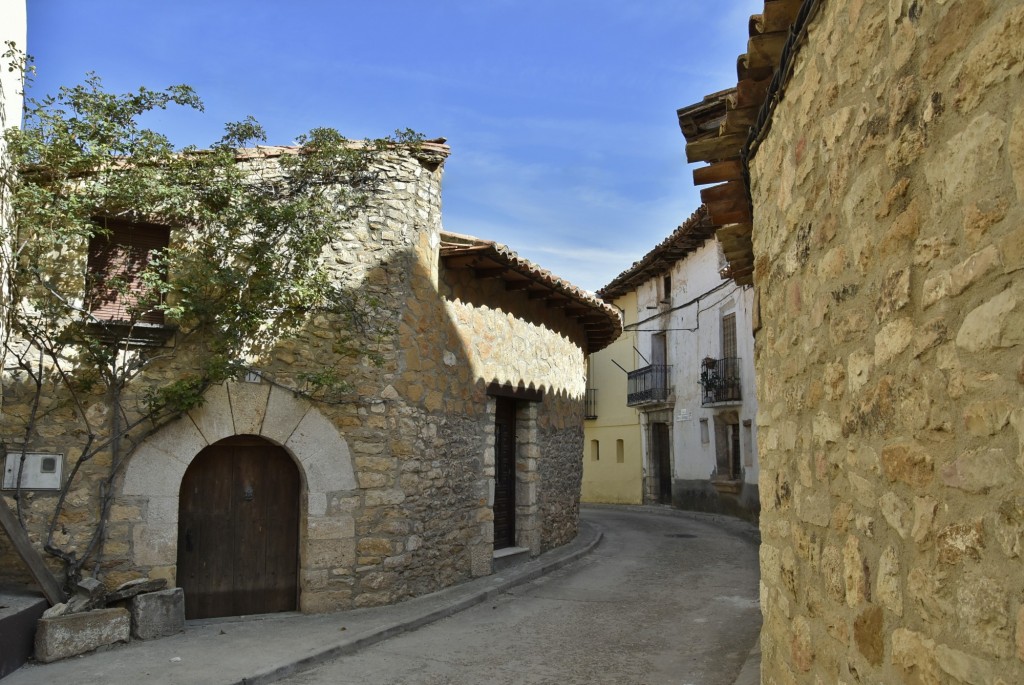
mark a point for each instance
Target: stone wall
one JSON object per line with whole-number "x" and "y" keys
{"x": 889, "y": 242}
{"x": 520, "y": 343}
{"x": 398, "y": 470}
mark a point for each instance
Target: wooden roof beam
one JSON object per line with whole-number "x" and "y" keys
{"x": 461, "y": 261}
{"x": 735, "y": 231}
{"x": 750, "y": 93}
{"x": 735, "y": 211}
{"x": 496, "y": 272}
{"x": 518, "y": 285}
{"x": 740, "y": 120}
{"x": 765, "y": 51}
{"x": 724, "y": 191}
{"x": 715, "y": 149}
{"x": 778, "y": 15}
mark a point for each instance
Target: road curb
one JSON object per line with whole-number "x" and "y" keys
{"x": 464, "y": 596}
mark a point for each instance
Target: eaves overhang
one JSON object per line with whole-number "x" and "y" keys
{"x": 725, "y": 128}
{"x": 490, "y": 260}
{"x": 687, "y": 238}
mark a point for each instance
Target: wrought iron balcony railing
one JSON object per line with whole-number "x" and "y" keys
{"x": 720, "y": 381}
{"x": 649, "y": 384}
{"x": 590, "y": 404}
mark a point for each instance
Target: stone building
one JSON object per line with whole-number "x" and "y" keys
{"x": 692, "y": 378}
{"x": 884, "y": 236}
{"x": 466, "y": 440}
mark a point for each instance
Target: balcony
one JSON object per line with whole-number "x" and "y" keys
{"x": 590, "y": 404}
{"x": 647, "y": 385}
{"x": 720, "y": 381}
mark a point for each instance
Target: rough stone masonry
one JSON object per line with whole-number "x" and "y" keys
{"x": 889, "y": 243}
{"x": 397, "y": 475}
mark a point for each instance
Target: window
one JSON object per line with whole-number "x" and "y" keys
{"x": 729, "y": 336}
{"x": 705, "y": 434}
{"x": 658, "y": 349}
{"x": 595, "y": 450}
{"x": 620, "y": 451}
{"x": 122, "y": 254}
{"x": 666, "y": 289}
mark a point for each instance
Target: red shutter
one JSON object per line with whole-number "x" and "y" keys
{"x": 123, "y": 253}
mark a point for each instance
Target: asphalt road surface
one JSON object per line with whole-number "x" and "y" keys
{"x": 663, "y": 599}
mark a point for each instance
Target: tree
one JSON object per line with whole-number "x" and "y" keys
{"x": 242, "y": 270}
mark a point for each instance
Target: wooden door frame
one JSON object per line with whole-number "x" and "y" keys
{"x": 233, "y": 453}
{"x": 527, "y": 509}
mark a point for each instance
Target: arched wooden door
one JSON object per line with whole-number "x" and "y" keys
{"x": 238, "y": 530}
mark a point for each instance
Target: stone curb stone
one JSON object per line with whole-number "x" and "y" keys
{"x": 65, "y": 636}
{"x": 157, "y": 614}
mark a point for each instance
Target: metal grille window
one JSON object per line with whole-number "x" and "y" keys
{"x": 729, "y": 336}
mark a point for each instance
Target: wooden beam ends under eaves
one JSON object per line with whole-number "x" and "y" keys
{"x": 729, "y": 170}
{"x": 715, "y": 149}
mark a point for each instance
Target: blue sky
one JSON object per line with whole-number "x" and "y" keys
{"x": 560, "y": 114}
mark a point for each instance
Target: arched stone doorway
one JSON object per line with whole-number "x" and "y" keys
{"x": 238, "y": 530}
{"x": 153, "y": 478}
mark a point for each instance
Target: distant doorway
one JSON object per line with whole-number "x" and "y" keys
{"x": 727, "y": 446}
{"x": 238, "y": 529}
{"x": 661, "y": 458}
{"x": 504, "y": 473}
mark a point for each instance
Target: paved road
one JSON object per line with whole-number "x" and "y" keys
{"x": 663, "y": 599}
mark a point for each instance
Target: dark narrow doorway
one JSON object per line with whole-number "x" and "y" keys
{"x": 504, "y": 473}
{"x": 238, "y": 530}
{"x": 661, "y": 456}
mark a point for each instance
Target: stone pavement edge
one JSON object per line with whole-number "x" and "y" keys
{"x": 256, "y": 650}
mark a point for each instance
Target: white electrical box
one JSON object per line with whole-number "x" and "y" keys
{"x": 42, "y": 471}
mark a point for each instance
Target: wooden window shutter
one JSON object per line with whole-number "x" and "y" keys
{"x": 729, "y": 336}
{"x": 122, "y": 253}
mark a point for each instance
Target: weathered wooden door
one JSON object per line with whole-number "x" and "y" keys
{"x": 661, "y": 449}
{"x": 505, "y": 473}
{"x": 238, "y": 530}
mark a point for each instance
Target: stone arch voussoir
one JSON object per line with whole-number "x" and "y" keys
{"x": 153, "y": 476}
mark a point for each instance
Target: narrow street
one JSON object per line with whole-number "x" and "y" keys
{"x": 663, "y": 599}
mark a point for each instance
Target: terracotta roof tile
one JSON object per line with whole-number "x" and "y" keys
{"x": 604, "y": 324}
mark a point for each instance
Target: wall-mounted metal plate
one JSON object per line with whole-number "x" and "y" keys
{"x": 42, "y": 471}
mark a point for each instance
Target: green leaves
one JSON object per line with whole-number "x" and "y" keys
{"x": 248, "y": 227}
{"x": 85, "y": 183}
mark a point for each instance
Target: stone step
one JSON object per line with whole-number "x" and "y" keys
{"x": 510, "y": 556}
{"x": 20, "y": 608}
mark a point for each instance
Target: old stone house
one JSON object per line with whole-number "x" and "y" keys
{"x": 692, "y": 374}
{"x": 883, "y": 235}
{"x": 464, "y": 443}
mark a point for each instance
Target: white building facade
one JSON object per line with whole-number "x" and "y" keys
{"x": 694, "y": 378}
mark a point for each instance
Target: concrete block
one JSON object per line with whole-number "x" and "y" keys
{"x": 74, "y": 634}
{"x": 157, "y": 614}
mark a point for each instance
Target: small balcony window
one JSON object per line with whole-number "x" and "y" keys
{"x": 720, "y": 381}
{"x": 649, "y": 384}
